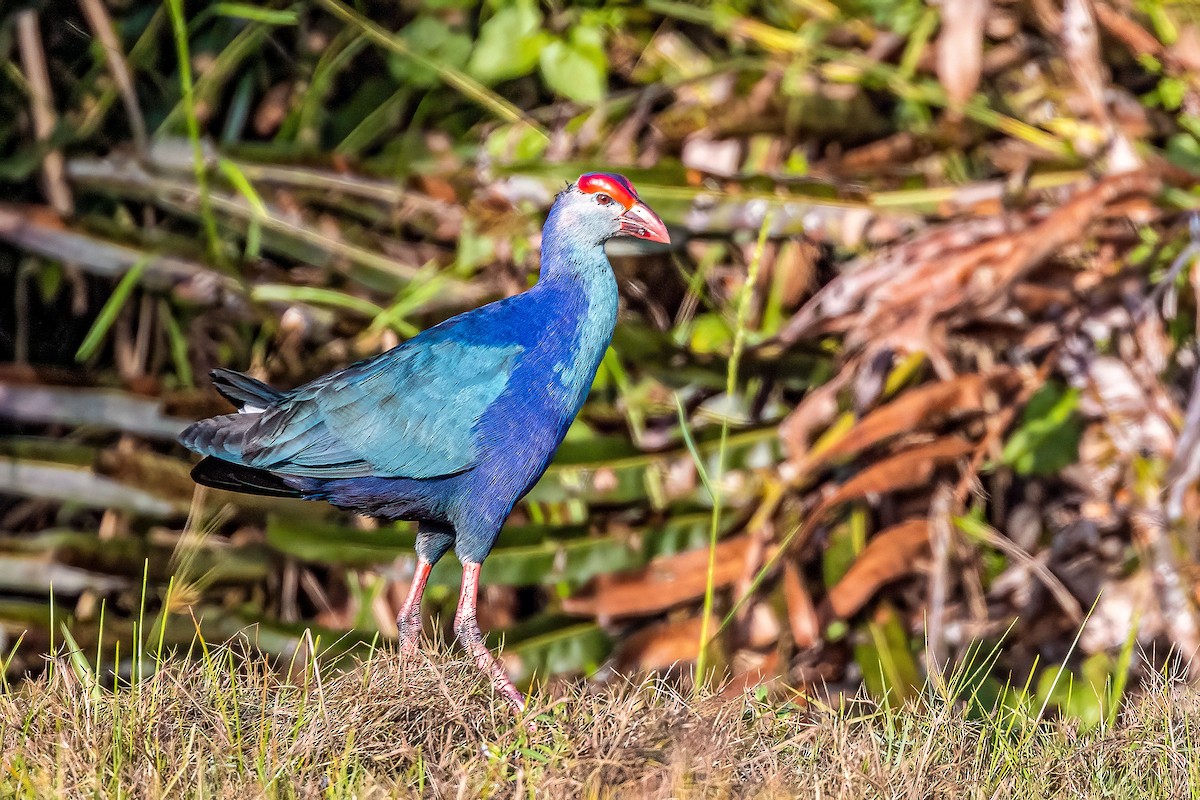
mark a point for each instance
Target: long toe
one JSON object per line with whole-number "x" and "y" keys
{"x": 500, "y": 680}
{"x": 490, "y": 666}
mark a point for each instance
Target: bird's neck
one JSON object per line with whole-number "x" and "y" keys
{"x": 570, "y": 252}
{"x": 574, "y": 264}
{"x": 577, "y": 281}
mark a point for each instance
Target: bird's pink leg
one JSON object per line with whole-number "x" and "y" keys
{"x": 466, "y": 627}
{"x": 409, "y": 618}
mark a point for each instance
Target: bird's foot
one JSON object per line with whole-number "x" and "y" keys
{"x": 490, "y": 666}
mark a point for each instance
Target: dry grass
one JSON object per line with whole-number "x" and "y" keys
{"x": 222, "y": 726}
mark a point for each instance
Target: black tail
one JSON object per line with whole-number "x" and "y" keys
{"x": 242, "y": 390}
{"x": 236, "y": 478}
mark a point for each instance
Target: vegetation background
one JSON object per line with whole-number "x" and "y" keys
{"x": 904, "y": 414}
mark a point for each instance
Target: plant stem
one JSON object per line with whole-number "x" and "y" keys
{"x": 179, "y": 28}
{"x": 735, "y": 357}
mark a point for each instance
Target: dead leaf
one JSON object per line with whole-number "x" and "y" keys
{"x": 904, "y": 470}
{"x": 1121, "y": 26}
{"x": 662, "y": 646}
{"x": 802, "y": 615}
{"x": 951, "y": 275}
{"x": 661, "y": 584}
{"x": 762, "y": 626}
{"x": 272, "y": 109}
{"x": 921, "y": 408}
{"x": 438, "y": 188}
{"x": 1137, "y": 413}
{"x": 763, "y": 669}
{"x": 814, "y": 413}
{"x": 713, "y": 157}
{"x": 794, "y": 270}
{"x": 1187, "y": 47}
{"x": 889, "y": 555}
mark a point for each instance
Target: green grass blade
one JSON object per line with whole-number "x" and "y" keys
{"x": 178, "y": 344}
{"x": 267, "y": 16}
{"x": 111, "y": 309}
{"x": 285, "y": 293}
{"x": 258, "y": 209}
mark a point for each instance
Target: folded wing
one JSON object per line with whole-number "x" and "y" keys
{"x": 411, "y": 412}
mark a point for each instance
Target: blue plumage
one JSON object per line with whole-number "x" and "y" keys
{"x": 452, "y": 427}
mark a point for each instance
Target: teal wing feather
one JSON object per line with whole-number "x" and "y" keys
{"x": 410, "y": 412}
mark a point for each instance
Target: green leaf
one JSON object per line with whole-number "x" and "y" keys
{"x": 49, "y": 279}
{"x": 1183, "y": 150}
{"x": 526, "y": 555}
{"x": 840, "y": 553}
{"x": 509, "y": 44}
{"x": 1076, "y": 696}
{"x": 434, "y": 39}
{"x": 710, "y": 334}
{"x": 1171, "y": 92}
{"x": 475, "y": 249}
{"x": 287, "y": 293}
{"x": 1048, "y": 437}
{"x": 577, "y": 68}
{"x": 515, "y": 143}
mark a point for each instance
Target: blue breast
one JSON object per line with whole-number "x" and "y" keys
{"x": 566, "y": 332}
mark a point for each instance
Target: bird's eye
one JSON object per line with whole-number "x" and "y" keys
{"x": 603, "y": 199}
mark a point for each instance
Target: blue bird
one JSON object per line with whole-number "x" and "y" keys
{"x": 452, "y": 427}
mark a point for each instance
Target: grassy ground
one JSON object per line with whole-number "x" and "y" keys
{"x": 223, "y": 727}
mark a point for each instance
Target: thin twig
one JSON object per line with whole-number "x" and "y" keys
{"x": 33, "y": 59}
{"x": 102, "y": 28}
{"x": 1061, "y": 594}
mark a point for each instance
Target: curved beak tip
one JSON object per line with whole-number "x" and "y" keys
{"x": 640, "y": 222}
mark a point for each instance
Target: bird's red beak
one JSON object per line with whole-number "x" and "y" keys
{"x": 643, "y": 223}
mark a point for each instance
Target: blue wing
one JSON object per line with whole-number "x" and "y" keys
{"x": 410, "y": 412}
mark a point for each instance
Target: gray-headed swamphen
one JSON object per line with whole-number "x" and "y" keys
{"x": 453, "y": 426}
